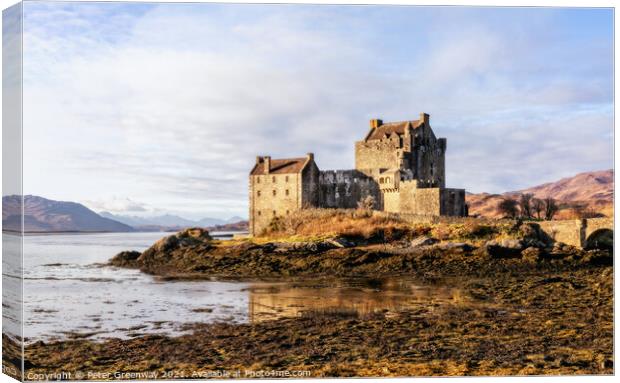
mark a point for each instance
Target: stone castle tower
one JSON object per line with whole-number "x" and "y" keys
{"x": 400, "y": 164}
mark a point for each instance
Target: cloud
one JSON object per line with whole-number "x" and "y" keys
{"x": 171, "y": 105}
{"x": 118, "y": 205}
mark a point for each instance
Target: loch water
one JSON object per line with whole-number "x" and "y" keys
{"x": 69, "y": 292}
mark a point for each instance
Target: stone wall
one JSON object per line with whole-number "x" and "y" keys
{"x": 345, "y": 188}
{"x": 310, "y": 188}
{"x": 428, "y": 201}
{"x": 575, "y": 232}
{"x": 377, "y": 154}
{"x": 594, "y": 224}
{"x": 391, "y": 201}
{"x": 428, "y": 154}
{"x": 453, "y": 202}
{"x": 273, "y": 195}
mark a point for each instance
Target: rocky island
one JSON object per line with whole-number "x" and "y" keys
{"x": 528, "y": 305}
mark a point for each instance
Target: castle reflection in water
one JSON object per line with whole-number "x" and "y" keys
{"x": 291, "y": 299}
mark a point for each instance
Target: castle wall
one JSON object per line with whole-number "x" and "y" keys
{"x": 310, "y": 186}
{"x": 453, "y": 202}
{"x": 377, "y": 154}
{"x": 428, "y": 162}
{"x": 407, "y": 197}
{"x": 345, "y": 188}
{"x": 391, "y": 201}
{"x": 401, "y": 166}
{"x": 265, "y": 205}
{"x": 427, "y": 201}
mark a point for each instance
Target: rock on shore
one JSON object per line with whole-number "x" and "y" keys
{"x": 192, "y": 253}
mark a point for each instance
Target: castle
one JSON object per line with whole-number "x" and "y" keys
{"x": 400, "y": 164}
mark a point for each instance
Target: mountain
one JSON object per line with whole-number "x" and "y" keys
{"x": 127, "y": 220}
{"x": 589, "y": 186}
{"x": 170, "y": 222}
{"x": 235, "y": 219}
{"x": 44, "y": 215}
{"x": 233, "y": 226}
{"x": 162, "y": 220}
{"x": 205, "y": 222}
{"x": 591, "y": 191}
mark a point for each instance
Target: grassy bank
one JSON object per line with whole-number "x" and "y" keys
{"x": 376, "y": 226}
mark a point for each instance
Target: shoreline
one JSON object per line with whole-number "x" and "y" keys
{"x": 528, "y": 307}
{"x": 498, "y": 334}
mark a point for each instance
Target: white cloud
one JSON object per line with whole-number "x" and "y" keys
{"x": 173, "y": 109}
{"x": 118, "y": 205}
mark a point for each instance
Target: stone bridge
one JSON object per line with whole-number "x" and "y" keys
{"x": 580, "y": 232}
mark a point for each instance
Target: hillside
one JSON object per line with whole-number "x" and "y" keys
{"x": 590, "y": 190}
{"x": 44, "y": 215}
{"x": 170, "y": 222}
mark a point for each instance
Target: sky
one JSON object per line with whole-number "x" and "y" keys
{"x": 146, "y": 109}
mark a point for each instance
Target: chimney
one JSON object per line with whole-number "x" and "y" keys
{"x": 267, "y": 160}
{"x": 310, "y": 156}
{"x": 424, "y": 118}
{"x": 259, "y": 159}
{"x": 375, "y": 123}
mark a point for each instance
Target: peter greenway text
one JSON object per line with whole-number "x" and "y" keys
{"x": 173, "y": 374}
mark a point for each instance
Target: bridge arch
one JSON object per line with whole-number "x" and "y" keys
{"x": 602, "y": 238}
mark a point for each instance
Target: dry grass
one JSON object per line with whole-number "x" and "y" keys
{"x": 317, "y": 224}
{"x": 353, "y": 223}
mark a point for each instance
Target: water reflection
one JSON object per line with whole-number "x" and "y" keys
{"x": 67, "y": 293}
{"x": 269, "y": 301}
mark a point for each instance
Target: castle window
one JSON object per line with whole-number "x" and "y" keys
{"x": 274, "y": 192}
{"x": 258, "y": 212}
{"x": 286, "y": 179}
{"x": 286, "y": 192}
{"x": 287, "y": 212}
{"x": 258, "y": 193}
{"x": 274, "y": 212}
{"x": 381, "y": 180}
{"x": 387, "y": 180}
{"x": 258, "y": 179}
{"x": 273, "y": 179}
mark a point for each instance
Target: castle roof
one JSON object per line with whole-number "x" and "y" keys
{"x": 385, "y": 130}
{"x": 281, "y": 166}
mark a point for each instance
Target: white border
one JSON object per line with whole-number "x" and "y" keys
{"x": 505, "y": 3}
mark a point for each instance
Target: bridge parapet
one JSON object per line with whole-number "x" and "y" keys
{"x": 575, "y": 232}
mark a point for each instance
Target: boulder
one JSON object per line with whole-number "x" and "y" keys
{"x": 598, "y": 258}
{"x": 531, "y": 254}
{"x": 340, "y": 242}
{"x": 126, "y": 259}
{"x": 423, "y": 241}
{"x": 196, "y": 233}
{"x": 506, "y": 248}
{"x": 454, "y": 246}
{"x": 533, "y": 235}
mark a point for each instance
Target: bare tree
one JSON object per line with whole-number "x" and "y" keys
{"x": 508, "y": 207}
{"x": 525, "y": 203}
{"x": 538, "y": 207}
{"x": 585, "y": 211}
{"x": 366, "y": 203}
{"x": 551, "y": 207}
